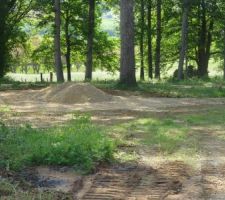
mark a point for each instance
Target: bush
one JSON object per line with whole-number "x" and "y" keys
{"x": 79, "y": 144}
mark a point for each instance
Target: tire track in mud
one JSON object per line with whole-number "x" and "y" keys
{"x": 171, "y": 181}
{"x": 136, "y": 183}
{"x": 212, "y": 165}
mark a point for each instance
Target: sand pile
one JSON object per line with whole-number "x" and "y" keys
{"x": 70, "y": 93}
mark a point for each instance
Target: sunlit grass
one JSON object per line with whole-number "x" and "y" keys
{"x": 79, "y": 144}
{"x": 5, "y": 109}
{"x": 172, "y": 137}
{"x": 197, "y": 88}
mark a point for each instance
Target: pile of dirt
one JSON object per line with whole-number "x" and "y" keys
{"x": 71, "y": 93}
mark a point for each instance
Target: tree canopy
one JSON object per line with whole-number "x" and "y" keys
{"x": 166, "y": 33}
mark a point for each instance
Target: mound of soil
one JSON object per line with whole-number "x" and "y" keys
{"x": 71, "y": 93}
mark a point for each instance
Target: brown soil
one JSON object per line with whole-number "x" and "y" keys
{"x": 146, "y": 180}
{"x": 69, "y": 93}
{"x": 1, "y": 101}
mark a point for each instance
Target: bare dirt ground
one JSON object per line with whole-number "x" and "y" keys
{"x": 48, "y": 107}
{"x": 153, "y": 176}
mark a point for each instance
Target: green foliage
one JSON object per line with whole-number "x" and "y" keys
{"x": 79, "y": 144}
{"x": 6, "y": 80}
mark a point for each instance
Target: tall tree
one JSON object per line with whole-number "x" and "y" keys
{"x": 3, "y": 36}
{"x": 184, "y": 37}
{"x": 127, "y": 63}
{"x": 91, "y": 29}
{"x": 68, "y": 44}
{"x": 158, "y": 39}
{"x": 142, "y": 20}
{"x": 57, "y": 42}
{"x": 11, "y": 14}
{"x": 149, "y": 32}
{"x": 206, "y": 23}
{"x": 224, "y": 53}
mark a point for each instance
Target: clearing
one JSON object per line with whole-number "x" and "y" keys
{"x": 168, "y": 148}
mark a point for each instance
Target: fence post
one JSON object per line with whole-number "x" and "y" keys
{"x": 51, "y": 77}
{"x": 42, "y": 77}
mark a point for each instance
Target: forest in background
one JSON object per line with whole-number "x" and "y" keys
{"x": 45, "y": 36}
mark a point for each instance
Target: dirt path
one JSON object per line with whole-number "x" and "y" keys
{"x": 28, "y": 107}
{"x": 153, "y": 177}
{"x": 169, "y": 180}
{"x": 212, "y": 164}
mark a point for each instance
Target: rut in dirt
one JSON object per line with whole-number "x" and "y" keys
{"x": 136, "y": 182}
{"x": 212, "y": 165}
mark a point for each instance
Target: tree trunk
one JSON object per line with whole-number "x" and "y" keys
{"x": 58, "y": 61}
{"x": 68, "y": 47}
{"x": 208, "y": 46}
{"x": 127, "y": 62}
{"x": 142, "y": 72}
{"x": 3, "y": 38}
{"x": 158, "y": 40}
{"x": 149, "y": 29}
{"x": 205, "y": 40}
{"x": 224, "y": 54}
{"x": 91, "y": 29}
{"x": 184, "y": 38}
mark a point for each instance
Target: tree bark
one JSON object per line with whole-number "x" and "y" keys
{"x": 91, "y": 29}
{"x": 127, "y": 62}
{"x": 205, "y": 41}
{"x": 142, "y": 72}
{"x": 3, "y": 37}
{"x": 57, "y": 39}
{"x": 68, "y": 47}
{"x": 208, "y": 46}
{"x": 158, "y": 40}
{"x": 224, "y": 53}
{"x": 184, "y": 38}
{"x": 149, "y": 29}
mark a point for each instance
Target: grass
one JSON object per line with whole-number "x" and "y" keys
{"x": 198, "y": 88}
{"x": 170, "y": 135}
{"x": 211, "y": 117}
{"x": 79, "y": 144}
{"x": 8, "y": 83}
{"x": 5, "y": 109}
{"x": 166, "y": 135}
{"x": 167, "y": 88}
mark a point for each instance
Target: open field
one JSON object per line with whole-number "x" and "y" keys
{"x": 164, "y": 148}
{"x": 76, "y": 76}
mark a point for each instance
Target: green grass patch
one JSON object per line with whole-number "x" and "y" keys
{"x": 79, "y": 144}
{"x": 198, "y": 88}
{"x": 165, "y": 135}
{"x": 5, "y": 109}
{"x": 211, "y": 117}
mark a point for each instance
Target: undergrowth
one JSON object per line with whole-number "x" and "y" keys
{"x": 79, "y": 144}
